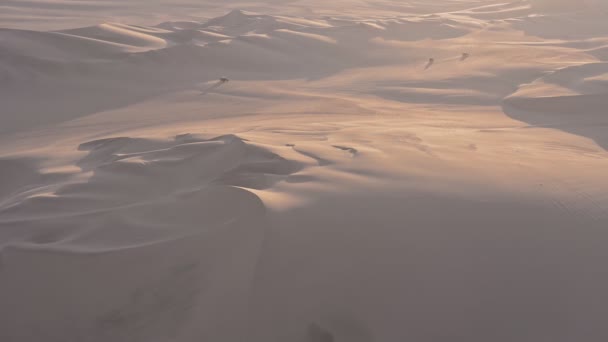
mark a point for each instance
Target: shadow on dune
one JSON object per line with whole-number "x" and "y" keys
{"x": 582, "y": 111}
{"x": 413, "y": 266}
{"x": 56, "y": 103}
{"x": 582, "y": 115}
{"x": 160, "y": 235}
{"x": 464, "y": 90}
{"x": 15, "y": 174}
{"x": 192, "y": 161}
{"x": 571, "y": 25}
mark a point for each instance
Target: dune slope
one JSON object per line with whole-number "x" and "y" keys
{"x": 365, "y": 170}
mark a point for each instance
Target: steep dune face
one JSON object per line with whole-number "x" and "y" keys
{"x": 356, "y": 170}
{"x": 573, "y": 98}
{"x": 110, "y": 190}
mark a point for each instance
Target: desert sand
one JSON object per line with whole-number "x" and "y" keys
{"x": 303, "y": 171}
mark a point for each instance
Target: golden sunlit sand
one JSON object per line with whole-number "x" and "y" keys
{"x": 303, "y": 171}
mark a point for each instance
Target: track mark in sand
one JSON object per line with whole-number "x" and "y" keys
{"x": 596, "y": 210}
{"x": 320, "y": 161}
{"x": 353, "y": 151}
{"x": 573, "y": 198}
{"x": 214, "y": 86}
{"x": 168, "y": 299}
{"x": 574, "y": 149}
{"x": 578, "y": 202}
{"x": 415, "y": 141}
{"x": 20, "y": 178}
{"x": 50, "y": 237}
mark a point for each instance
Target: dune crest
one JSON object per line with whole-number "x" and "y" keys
{"x": 303, "y": 171}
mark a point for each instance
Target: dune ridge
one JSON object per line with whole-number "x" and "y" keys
{"x": 365, "y": 171}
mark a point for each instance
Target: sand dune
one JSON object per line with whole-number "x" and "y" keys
{"x": 302, "y": 171}
{"x": 138, "y": 37}
{"x": 120, "y": 56}
{"x": 57, "y": 46}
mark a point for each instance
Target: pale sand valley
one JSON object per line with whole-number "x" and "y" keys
{"x": 304, "y": 170}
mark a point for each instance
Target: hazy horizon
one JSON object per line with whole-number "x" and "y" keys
{"x": 303, "y": 170}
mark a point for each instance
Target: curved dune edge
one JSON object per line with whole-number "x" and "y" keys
{"x": 150, "y": 193}
{"x": 364, "y": 172}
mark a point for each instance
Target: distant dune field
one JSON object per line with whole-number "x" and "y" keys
{"x": 313, "y": 171}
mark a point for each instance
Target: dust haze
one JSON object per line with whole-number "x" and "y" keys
{"x": 305, "y": 170}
